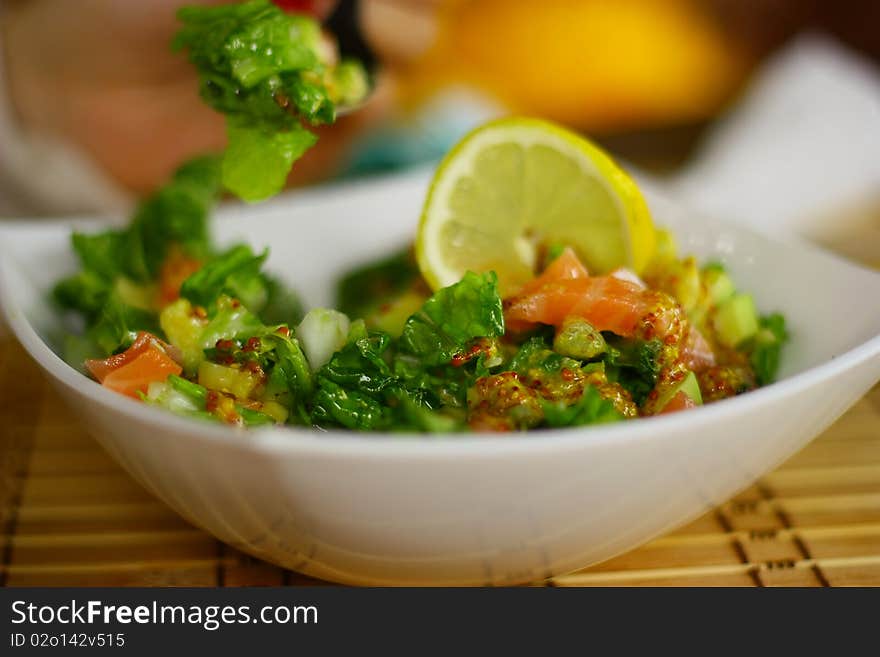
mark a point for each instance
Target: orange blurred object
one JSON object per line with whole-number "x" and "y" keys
{"x": 595, "y": 64}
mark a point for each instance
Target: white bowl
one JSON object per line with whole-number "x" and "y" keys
{"x": 463, "y": 509}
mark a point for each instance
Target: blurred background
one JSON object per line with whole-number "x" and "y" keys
{"x": 99, "y": 111}
{"x": 644, "y": 76}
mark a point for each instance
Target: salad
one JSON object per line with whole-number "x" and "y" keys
{"x": 273, "y": 74}
{"x": 538, "y": 292}
{"x": 174, "y": 321}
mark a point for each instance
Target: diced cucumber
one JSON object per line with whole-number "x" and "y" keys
{"x": 718, "y": 285}
{"x": 736, "y": 320}
{"x": 577, "y": 338}
{"x": 689, "y": 386}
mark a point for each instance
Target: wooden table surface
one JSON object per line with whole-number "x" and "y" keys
{"x": 70, "y": 516}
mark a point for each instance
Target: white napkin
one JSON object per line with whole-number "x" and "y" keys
{"x": 803, "y": 140}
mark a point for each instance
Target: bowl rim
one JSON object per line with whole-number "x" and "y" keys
{"x": 411, "y": 444}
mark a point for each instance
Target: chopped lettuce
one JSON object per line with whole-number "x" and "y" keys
{"x": 634, "y": 364}
{"x": 101, "y": 253}
{"x": 85, "y": 292}
{"x": 233, "y": 321}
{"x": 113, "y": 289}
{"x": 438, "y": 363}
{"x": 258, "y": 159}
{"x": 767, "y": 348}
{"x": 221, "y": 275}
{"x": 237, "y": 273}
{"x": 351, "y": 387}
{"x": 183, "y": 397}
{"x": 240, "y": 48}
{"x": 591, "y": 408}
{"x": 535, "y": 354}
{"x": 282, "y": 304}
{"x": 335, "y": 405}
{"x": 357, "y": 389}
{"x": 291, "y": 362}
{"x": 267, "y": 70}
{"x": 176, "y": 214}
{"x": 360, "y": 291}
{"x": 117, "y": 326}
{"x": 453, "y": 317}
{"x": 178, "y": 395}
{"x": 77, "y": 349}
{"x": 555, "y": 376}
{"x": 413, "y": 415}
{"x": 360, "y": 365}
{"x": 445, "y": 386}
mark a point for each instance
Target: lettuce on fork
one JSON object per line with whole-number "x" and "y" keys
{"x": 271, "y": 73}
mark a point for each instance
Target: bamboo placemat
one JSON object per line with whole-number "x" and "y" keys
{"x": 70, "y": 516}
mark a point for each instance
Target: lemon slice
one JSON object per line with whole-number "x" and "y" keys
{"x": 516, "y": 184}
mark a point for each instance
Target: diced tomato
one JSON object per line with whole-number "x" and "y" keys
{"x": 145, "y": 361}
{"x": 680, "y": 402}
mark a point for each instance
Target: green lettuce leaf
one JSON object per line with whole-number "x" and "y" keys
{"x": 335, "y": 405}
{"x": 232, "y": 321}
{"x": 362, "y": 289}
{"x": 264, "y": 69}
{"x": 117, "y": 325}
{"x": 85, "y": 291}
{"x": 248, "y": 42}
{"x": 360, "y": 365}
{"x": 183, "y": 397}
{"x": 445, "y": 386}
{"x": 257, "y": 160}
{"x": 453, "y": 317}
{"x": 591, "y": 408}
{"x": 635, "y": 364}
{"x": 228, "y": 273}
{"x": 291, "y": 362}
{"x": 100, "y": 253}
{"x": 282, "y": 305}
{"x": 176, "y": 214}
{"x": 767, "y": 348}
{"x": 351, "y": 387}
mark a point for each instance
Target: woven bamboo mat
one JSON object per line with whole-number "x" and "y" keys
{"x": 70, "y": 516}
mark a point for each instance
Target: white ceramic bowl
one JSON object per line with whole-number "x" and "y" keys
{"x": 463, "y": 509}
